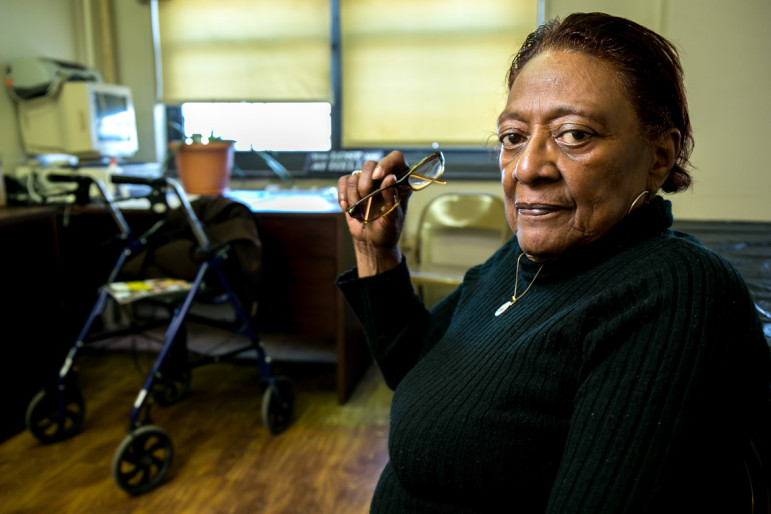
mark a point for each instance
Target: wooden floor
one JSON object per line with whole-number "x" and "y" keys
{"x": 225, "y": 460}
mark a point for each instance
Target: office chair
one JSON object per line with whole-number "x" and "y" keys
{"x": 456, "y": 231}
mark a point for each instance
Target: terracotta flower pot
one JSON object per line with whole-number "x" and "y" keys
{"x": 204, "y": 169}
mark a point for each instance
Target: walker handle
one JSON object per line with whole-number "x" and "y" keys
{"x": 82, "y": 195}
{"x": 142, "y": 181}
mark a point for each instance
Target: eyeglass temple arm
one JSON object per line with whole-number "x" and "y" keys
{"x": 369, "y": 206}
{"x": 421, "y": 177}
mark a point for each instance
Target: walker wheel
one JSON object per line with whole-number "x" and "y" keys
{"x": 170, "y": 387}
{"x": 43, "y": 419}
{"x": 142, "y": 460}
{"x": 278, "y": 405}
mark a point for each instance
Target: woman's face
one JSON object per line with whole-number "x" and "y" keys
{"x": 573, "y": 155}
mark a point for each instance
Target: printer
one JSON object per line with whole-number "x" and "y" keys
{"x": 33, "y": 77}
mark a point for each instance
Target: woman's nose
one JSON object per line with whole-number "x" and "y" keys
{"x": 536, "y": 160}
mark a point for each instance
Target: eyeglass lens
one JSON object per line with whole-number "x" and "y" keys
{"x": 426, "y": 172}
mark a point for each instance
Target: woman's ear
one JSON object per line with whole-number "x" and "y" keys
{"x": 665, "y": 152}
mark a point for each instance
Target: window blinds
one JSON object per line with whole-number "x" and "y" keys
{"x": 428, "y": 71}
{"x": 414, "y": 72}
{"x": 252, "y": 50}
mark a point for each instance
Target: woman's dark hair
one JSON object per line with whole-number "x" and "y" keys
{"x": 649, "y": 69}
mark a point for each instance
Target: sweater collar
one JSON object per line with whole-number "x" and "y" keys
{"x": 651, "y": 219}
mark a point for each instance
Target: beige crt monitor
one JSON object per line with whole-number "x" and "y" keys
{"x": 86, "y": 119}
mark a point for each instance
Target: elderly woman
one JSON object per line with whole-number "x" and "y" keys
{"x": 599, "y": 361}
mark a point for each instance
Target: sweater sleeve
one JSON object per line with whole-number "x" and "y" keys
{"x": 397, "y": 326}
{"x": 678, "y": 346}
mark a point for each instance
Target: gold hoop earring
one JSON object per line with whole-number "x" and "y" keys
{"x": 639, "y": 197}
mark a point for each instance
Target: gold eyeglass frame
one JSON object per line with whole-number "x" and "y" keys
{"x": 357, "y": 212}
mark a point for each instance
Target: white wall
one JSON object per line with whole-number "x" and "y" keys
{"x": 57, "y": 29}
{"x": 136, "y": 69}
{"x": 32, "y": 28}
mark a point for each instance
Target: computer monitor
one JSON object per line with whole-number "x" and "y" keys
{"x": 89, "y": 120}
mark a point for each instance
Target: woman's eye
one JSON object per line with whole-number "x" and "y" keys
{"x": 511, "y": 139}
{"x": 574, "y": 137}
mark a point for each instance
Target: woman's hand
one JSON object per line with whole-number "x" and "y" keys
{"x": 376, "y": 242}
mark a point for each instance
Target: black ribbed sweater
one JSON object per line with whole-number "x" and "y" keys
{"x": 623, "y": 381}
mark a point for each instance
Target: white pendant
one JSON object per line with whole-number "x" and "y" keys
{"x": 503, "y": 307}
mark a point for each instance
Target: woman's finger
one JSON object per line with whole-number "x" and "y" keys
{"x": 371, "y": 176}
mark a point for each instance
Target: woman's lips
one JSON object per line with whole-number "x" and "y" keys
{"x": 536, "y": 209}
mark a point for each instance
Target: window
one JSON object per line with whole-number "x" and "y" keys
{"x": 252, "y": 50}
{"x": 309, "y": 75}
{"x": 417, "y": 73}
{"x": 271, "y": 126}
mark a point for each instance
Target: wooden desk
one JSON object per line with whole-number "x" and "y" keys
{"x": 306, "y": 245}
{"x": 303, "y": 254}
{"x": 30, "y": 308}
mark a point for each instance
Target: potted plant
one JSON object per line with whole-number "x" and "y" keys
{"x": 203, "y": 167}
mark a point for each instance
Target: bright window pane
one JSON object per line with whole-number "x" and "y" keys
{"x": 416, "y": 73}
{"x": 254, "y": 50}
{"x": 282, "y": 127}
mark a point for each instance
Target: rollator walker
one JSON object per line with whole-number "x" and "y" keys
{"x": 144, "y": 457}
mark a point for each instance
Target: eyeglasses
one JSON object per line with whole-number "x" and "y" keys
{"x": 418, "y": 176}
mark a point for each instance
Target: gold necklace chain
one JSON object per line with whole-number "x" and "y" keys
{"x": 514, "y": 297}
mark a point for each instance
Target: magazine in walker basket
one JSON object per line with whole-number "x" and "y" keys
{"x": 126, "y": 292}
